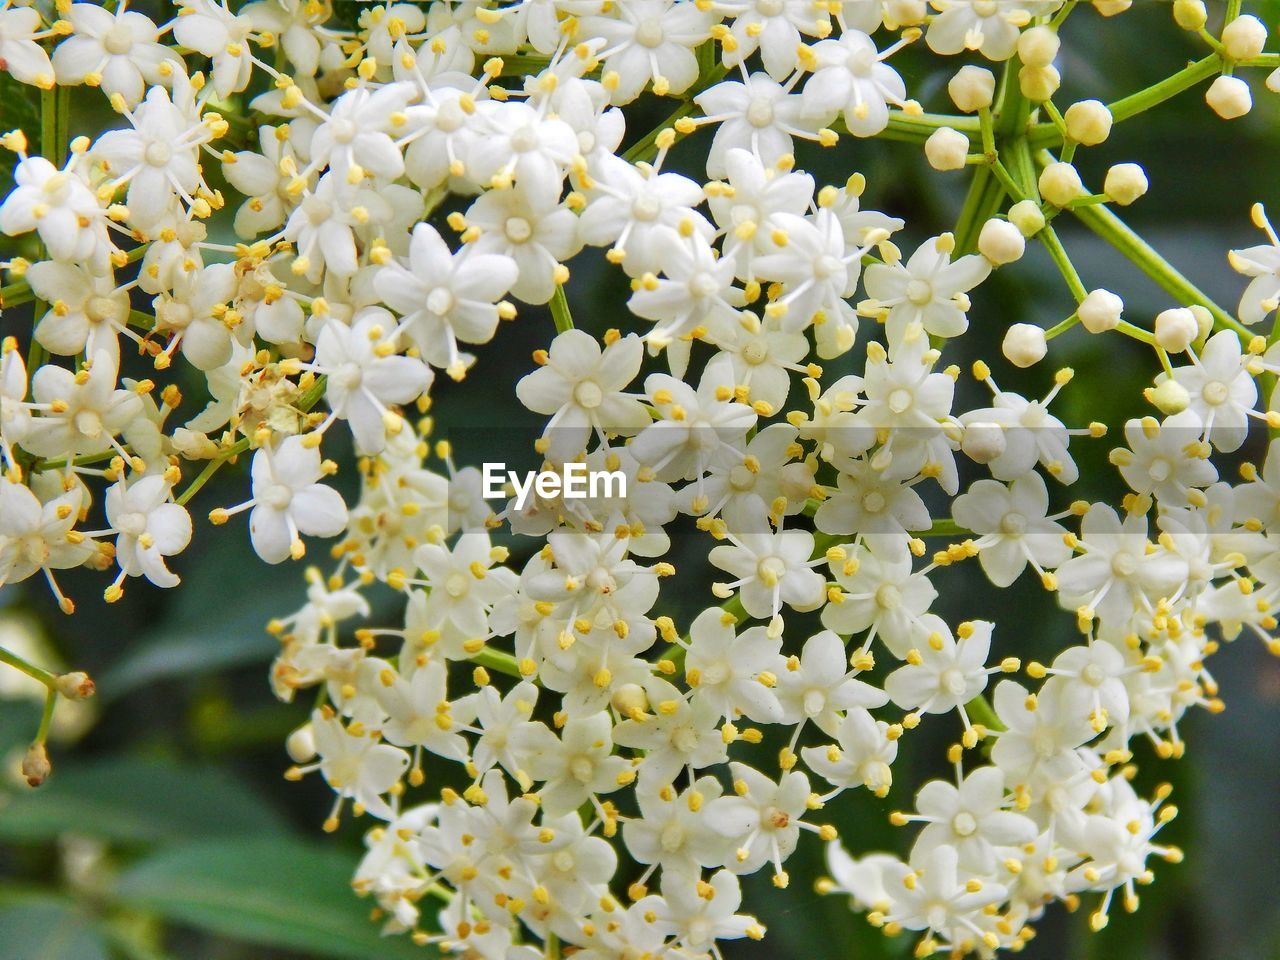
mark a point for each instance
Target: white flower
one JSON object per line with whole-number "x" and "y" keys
{"x": 863, "y": 754}
{"x": 776, "y": 29}
{"x": 650, "y": 40}
{"x": 81, "y": 413}
{"x": 771, "y": 568}
{"x": 61, "y": 208}
{"x": 695, "y": 292}
{"x": 581, "y": 387}
{"x": 523, "y": 145}
{"x": 1166, "y": 459}
{"x": 971, "y": 819}
{"x": 261, "y": 179}
{"x": 757, "y": 114}
{"x": 159, "y": 157}
{"x": 677, "y": 734}
{"x": 87, "y": 313}
{"x": 365, "y": 376}
{"x": 672, "y": 829}
{"x": 881, "y": 596}
{"x": 323, "y": 226}
{"x": 697, "y": 919}
{"x": 37, "y": 536}
{"x": 149, "y": 528}
{"x": 852, "y": 79}
{"x": 119, "y": 52}
{"x": 1262, "y": 264}
{"x": 288, "y": 501}
{"x": 24, "y": 58}
{"x": 463, "y": 587}
{"x": 763, "y": 819}
{"x": 575, "y": 766}
{"x": 734, "y": 673}
{"x": 533, "y": 230}
{"x": 988, "y": 26}
{"x": 210, "y": 28}
{"x": 1013, "y": 527}
{"x": 942, "y": 673}
{"x": 418, "y": 711}
{"x": 356, "y": 139}
{"x": 1221, "y": 389}
{"x": 818, "y": 685}
{"x": 938, "y": 898}
{"x": 356, "y": 766}
{"x": 197, "y": 316}
{"x": 928, "y": 289}
{"x": 445, "y": 297}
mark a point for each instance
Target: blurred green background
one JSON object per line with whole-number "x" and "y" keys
{"x": 168, "y": 832}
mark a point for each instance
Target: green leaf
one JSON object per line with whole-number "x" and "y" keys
{"x": 40, "y": 927}
{"x": 274, "y": 892}
{"x": 128, "y": 800}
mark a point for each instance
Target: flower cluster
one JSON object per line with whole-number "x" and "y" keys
{"x": 401, "y": 189}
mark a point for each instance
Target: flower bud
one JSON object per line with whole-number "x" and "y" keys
{"x": 1001, "y": 242}
{"x": 1024, "y": 344}
{"x": 1038, "y": 46}
{"x": 972, "y": 88}
{"x": 630, "y": 700}
{"x": 904, "y": 13}
{"x": 1169, "y": 397}
{"x": 946, "y": 149}
{"x": 1039, "y": 84}
{"x": 1026, "y": 216}
{"x": 983, "y": 441}
{"x": 1176, "y": 329}
{"x": 1190, "y": 14}
{"x": 1100, "y": 311}
{"x": 1125, "y": 183}
{"x": 1060, "y": 184}
{"x": 1229, "y": 97}
{"x": 1273, "y": 80}
{"x": 1110, "y": 8}
{"x": 35, "y": 765}
{"x": 75, "y": 686}
{"x": 1204, "y": 319}
{"x": 1088, "y": 122}
{"x": 1244, "y": 37}
{"x": 301, "y": 744}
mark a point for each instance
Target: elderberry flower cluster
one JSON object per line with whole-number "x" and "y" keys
{"x": 401, "y": 189}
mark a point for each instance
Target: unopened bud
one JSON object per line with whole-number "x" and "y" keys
{"x": 1088, "y": 122}
{"x": 35, "y": 765}
{"x": 1001, "y": 242}
{"x": 1190, "y": 14}
{"x": 1039, "y": 84}
{"x": 972, "y": 88}
{"x": 1169, "y": 397}
{"x": 75, "y": 686}
{"x": 1038, "y": 46}
{"x": 1027, "y": 217}
{"x": 983, "y": 441}
{"x": 1229, "y": 97}
{"x": 1176, "y": 329}
{"x": 1100, "y": 311}
{"x": 1060, "y": 184}
{"x": 1125, "y": 183}
{"x": 301, "y": 744}
{"x": 1244, "y": 37}
{"x": 946, "y": 149}
{"x": 1024, "y": 344}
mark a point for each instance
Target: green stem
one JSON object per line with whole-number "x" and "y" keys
{"x": 560, "y": 311}
{"x": 981, "y": 711}
{"x": 1166, "y": 89}
{"x": 1111, "y": 228}
{"x": 30, "y": 669}
{"x": 1068, "y": 270}
{"x": 46, "y": 718}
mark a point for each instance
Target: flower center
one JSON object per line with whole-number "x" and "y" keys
{"x": 102, "y": 308}
{"x": 582, "y": 769}
{"x": 348, "y": 375}
{"x": 89, "y": 423}
{"x": 1159, "y": 470}
{"x": 771, "y": 569}
{"x": 1093, "y": 675}
{"x": 703, "y": 285}
{"x": 456, "y": 585}
{"x": 827, "y": 266}
{"x": 588, "y": 394}
{"x": 964, "y": 825}
{"x": 517, "y": 229}
{"x": 900, "y": 400}
{"x": 953, "y": 682}
{"x": 769, "y": 8}
{"x": 1214, "y": 392}
{"x": 440, "y": 301}
{"x": 986, "y": 8}
{"x": 672, "y": 836}
{"x": 277, "y": 496}
{"x": 760, "y": 112}
{"x": 756, "y": 351}
{"x": 158, "y": 153}
{"x": 317, "y": 210}
{"x": 1013, "y": 524}
{"x": 645, "y": 208}
{"x": 344, "y": 131}
{"x": 1123, "y": 564}
{"x": 920, "y": 292}
{"x": 449, "y": 117}
{"x": 132, "y": 524}
{"x": 524, "y": 139}
{"x": 888, "y": 597}
{"x": 873, "y": 502}
{"x": 740, "y": 478}
{"x": 649, "y": 32}
{"x": 117, "y": 40}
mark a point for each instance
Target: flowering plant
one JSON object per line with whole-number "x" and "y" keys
{"x": 298, "y": 228}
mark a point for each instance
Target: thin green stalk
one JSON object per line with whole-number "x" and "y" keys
{"x": 560, "y": 311}
{"x": 46, "y": 718}
{"x": 981, "y": 711}
{"x": 1111, "y": 228}
{"x": 30, "y": 669}
{"x": 1063, "y": 262}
